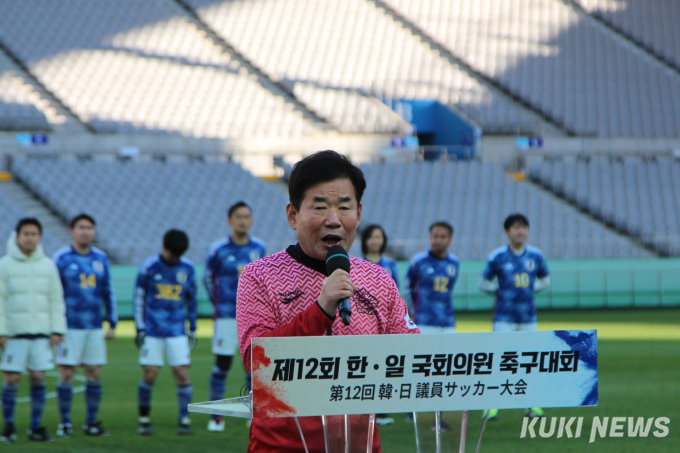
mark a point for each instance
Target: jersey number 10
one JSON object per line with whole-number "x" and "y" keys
{"x": 521, "y": 280}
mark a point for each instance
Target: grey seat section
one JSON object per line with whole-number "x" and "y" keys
{"x": 476, "y": 197}
{"x": 11, "y": 213}
{"x": 134, "y": 204}
{"x": 563, "y": 63}
{"x": 636, "y": 195}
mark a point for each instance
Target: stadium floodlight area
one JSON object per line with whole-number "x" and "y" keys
{"x": 324, "y": 48}
{"x": 560, "y": 61}
{"x": 653, "y": 25}
{"x": 135, "y": 203}
{"x": 636, "y": 195}
{"x": 11, "y": 213}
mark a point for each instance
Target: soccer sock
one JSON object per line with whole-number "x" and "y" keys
{"x": 9, "y": 400}
{"x": 249, "y": 382}
{"x": 144, "y": 397}
{"x": 64, "y": 398}
{"x": 184, "y": 394}
{"x": 218, "y": 381}
{"x": 37, "y": 404}
{"x": 93, "y": 396}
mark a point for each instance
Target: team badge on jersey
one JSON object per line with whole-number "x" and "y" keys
{"x": 451, "y": 270}
{"x": 181, "y": 277}
{"x": 529, "y": 265}
{"x": 98, "y": 266}
{"x": 254, "y": 256}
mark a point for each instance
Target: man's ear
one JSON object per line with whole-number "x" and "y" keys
{"x": 291, "y": 215}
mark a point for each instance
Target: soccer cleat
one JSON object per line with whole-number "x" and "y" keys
{"x": 493, "y": 414}
{"x": 9, "y": 435}
{"x": 184, "y": 428}
{"x": 145, "y": 426}
{"x": 95, "y": 430}
{"x": 535, "y": 412}
{"x": 64, "y": 430}
{"x": 384, "y": 420}
{"x": 39, "y": 435}
{"x": 216, "y": 425}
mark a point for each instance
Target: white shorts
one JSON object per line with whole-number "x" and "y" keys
{"x": 175, "y": 348}
{"x": 225, "y": 339}
{"x": 21, "y": 354}
{"x": 82, "y": 347}
{"x": 436, "y": 329}
{"x": 503, "y": 326}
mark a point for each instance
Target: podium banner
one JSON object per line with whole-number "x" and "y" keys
{"x": 306, "y": 376}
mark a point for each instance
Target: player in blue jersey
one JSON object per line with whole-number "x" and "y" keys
{"x": 373, "y": 245}
{"x": 86, "y": 278}
{"x": 521, "y": 271}
{"x": 431, "y": 277}
{"x": 226, "y": 260}
{"x": 430, "y": 280}
{"x": 165, "y": 297}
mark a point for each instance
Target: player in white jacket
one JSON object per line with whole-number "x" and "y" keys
{"x": 32, "y": 320}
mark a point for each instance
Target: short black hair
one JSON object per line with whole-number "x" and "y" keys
{"x": 235, "y": 206}
{"x": 28, "y": 221}
{"x": 443, "y": 224}
{"x": 368, "y": 231}
{"x": 79, "y": 217}
{"x": 320, "y": 167}
{"x": 515, "y": 218}
{"x": 176, "y": 242}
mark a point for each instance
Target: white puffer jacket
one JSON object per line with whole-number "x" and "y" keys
{"x": 31, "y": 296}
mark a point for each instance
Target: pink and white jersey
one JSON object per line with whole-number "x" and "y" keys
{"x": 277, "y": 289}
{"x": 277, "y": 298}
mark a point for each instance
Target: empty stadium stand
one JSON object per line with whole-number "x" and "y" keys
{"x": 130, "y": 66}
{"x": 355, "y": 46}
{"x": 135, "y": 203}
{"x": 636, "y": 195}
{"x": 11, "y": 213}
{"x": 653, "y": 25}
{"x": 558, "y": 60}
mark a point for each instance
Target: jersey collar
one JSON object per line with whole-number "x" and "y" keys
{"x": 295, "y": 252}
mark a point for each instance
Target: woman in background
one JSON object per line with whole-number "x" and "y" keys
{"x": 373, "y": 245}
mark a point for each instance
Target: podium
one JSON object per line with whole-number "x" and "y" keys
{"x": 346, "y": 380}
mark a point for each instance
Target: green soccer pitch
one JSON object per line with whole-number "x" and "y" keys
{"x": 639, "y": 376}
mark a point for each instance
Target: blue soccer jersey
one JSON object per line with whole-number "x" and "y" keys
{"x": 86, "y": 280}
{"x": 430, "y": 283}
{"x": 516, "y": 276}
{"x": 226, "y": 260}
{"x": 165, "y": 296}
{"x": 391, "y": 267}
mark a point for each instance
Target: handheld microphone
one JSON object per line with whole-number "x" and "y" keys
{"x": 337, "y": 259}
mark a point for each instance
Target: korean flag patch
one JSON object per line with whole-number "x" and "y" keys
{"x": 410, "y": 324}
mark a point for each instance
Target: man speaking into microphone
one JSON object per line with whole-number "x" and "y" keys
{"x": 290, "y": 293}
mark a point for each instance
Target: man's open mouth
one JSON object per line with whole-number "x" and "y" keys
{"x": 331, "y": 239}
